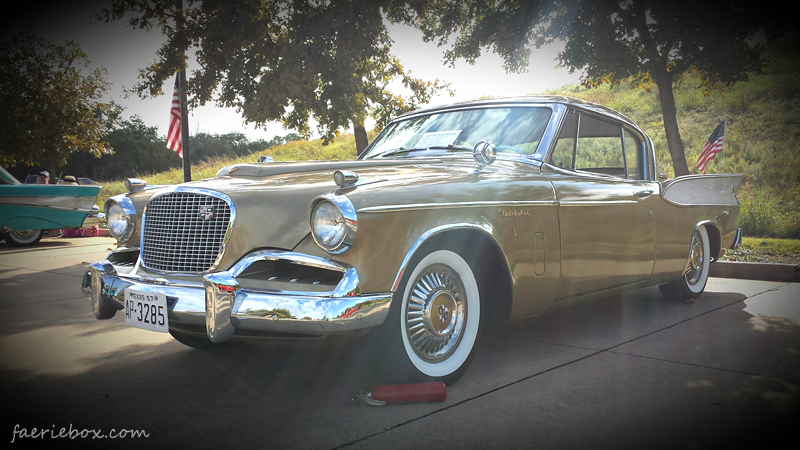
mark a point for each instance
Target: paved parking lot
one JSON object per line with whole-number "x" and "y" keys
{"x": 631, "y": 371}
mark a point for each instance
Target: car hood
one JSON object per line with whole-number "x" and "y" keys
{"x": 272, "y": 200}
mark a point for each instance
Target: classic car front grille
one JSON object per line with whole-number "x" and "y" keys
{"x": 184, "y": 232}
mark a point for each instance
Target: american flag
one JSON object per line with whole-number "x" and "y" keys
{"x": 174, "y": 141}
{"x": 713, "y": 146}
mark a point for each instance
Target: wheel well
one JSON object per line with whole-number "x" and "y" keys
{"x": 714, "y": 240}
{"x": 488, "y": 263}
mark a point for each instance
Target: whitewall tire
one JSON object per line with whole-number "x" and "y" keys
{"x": 433, "y": 325}
{"x": 691, "y": 284}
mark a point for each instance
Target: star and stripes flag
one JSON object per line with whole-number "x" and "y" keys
{"x": 174, "y": 141}
{"x": 712, "y": 147}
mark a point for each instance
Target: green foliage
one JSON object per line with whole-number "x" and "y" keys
{"x": 763, "y": 136}
{"x": 274, "y": 60}
{"x": 637, "y": 42}
{"x": 50, "y": 103}
{"x": 138, "y": 149}
{"x": 764, "y": 214}
{"x": 766, "y": 250}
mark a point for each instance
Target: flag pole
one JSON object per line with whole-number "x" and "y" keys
{"x": 187, "y": 160}
{"x": 719, "y": 163}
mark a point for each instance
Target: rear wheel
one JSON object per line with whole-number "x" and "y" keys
{"x": 22, "y": 238}
{"x": 690, "y": 285}
{"x": 434, "y": 322}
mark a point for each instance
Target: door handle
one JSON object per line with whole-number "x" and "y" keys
{"x": 643, "y": 194}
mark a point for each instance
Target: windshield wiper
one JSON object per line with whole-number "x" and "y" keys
{"x": 397, "y": 151}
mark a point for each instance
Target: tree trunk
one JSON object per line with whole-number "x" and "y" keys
{"x": 361, "y": 137}
{"x": 658, "y": 71}
{"x": 670, "y": 116}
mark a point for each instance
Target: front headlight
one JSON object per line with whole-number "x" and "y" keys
{"x": 333, "y": 223}
{"x": 120, "y": 223}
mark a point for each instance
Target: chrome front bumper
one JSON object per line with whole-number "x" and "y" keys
{"x": 223, "y": 306}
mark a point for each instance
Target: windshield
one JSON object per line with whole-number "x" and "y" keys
{"x": 7, "y": 178}
{"x": 512, "y": 129}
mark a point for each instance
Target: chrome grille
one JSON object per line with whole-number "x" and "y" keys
{"x": 184, "y": 231}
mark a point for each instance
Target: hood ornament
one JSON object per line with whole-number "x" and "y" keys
{"x": 484, "y": 153}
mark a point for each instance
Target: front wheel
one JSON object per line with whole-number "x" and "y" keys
{"x": 690, "y": 285}
{"x": 22, "y": 238}
{"x": 432, "y": 329}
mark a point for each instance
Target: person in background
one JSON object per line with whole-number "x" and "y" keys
{"x": 69, "y": 179}
{"x": 44, "y": 177}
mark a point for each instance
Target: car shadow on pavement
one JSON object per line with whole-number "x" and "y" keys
{"x": 61, "y": 367}
{"x": 44, "y": 244}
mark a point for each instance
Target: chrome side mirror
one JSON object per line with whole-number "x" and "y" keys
{"x": 484, "y": 153}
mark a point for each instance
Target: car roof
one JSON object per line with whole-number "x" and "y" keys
{"x": 527, "y": 100}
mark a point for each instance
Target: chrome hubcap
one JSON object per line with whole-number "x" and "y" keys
{"x": 695, "y": 260}
{"x": 436, "y": 313}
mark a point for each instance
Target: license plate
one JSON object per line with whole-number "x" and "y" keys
{"x": 146, "y": 310}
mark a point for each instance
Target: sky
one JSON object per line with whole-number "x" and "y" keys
{"x": 122, "y": 51}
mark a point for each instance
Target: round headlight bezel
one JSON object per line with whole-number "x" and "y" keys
{"x": 344, "y": 217}
{"x": 119, "y": 218}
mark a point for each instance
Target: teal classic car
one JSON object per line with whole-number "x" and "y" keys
{"x": 27, "y": 210}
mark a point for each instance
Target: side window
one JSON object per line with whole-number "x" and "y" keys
{"x": 563, "y": 152}
{"x": 633, "y": 154}
{"x": 600, "y": 147}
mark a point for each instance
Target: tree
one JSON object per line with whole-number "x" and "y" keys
{"x": 50, "y": 103}
{"x": 137, "y": 150}
{"x": 612, "y": 41}
{"x": 272, "y": 60}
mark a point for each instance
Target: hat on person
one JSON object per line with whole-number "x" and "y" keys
{"x": 45, "y": 173}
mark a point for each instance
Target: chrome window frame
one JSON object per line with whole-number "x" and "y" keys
{"x": 622, "y": 121}
{"x": 536, "y": 156}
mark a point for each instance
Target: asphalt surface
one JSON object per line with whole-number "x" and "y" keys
{"x": 630, "y": 371}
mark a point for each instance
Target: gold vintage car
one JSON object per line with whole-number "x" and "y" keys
{"x": 499, "y": 209}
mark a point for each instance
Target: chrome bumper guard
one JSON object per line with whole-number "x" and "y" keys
{"x": 224, "y": 306}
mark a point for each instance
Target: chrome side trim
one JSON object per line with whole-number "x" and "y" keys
{"x": 61, "y": 208}
{"x": 596, "y": 203}
{"x": 413, "y": 206}
{"x": 486, "y": 228}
